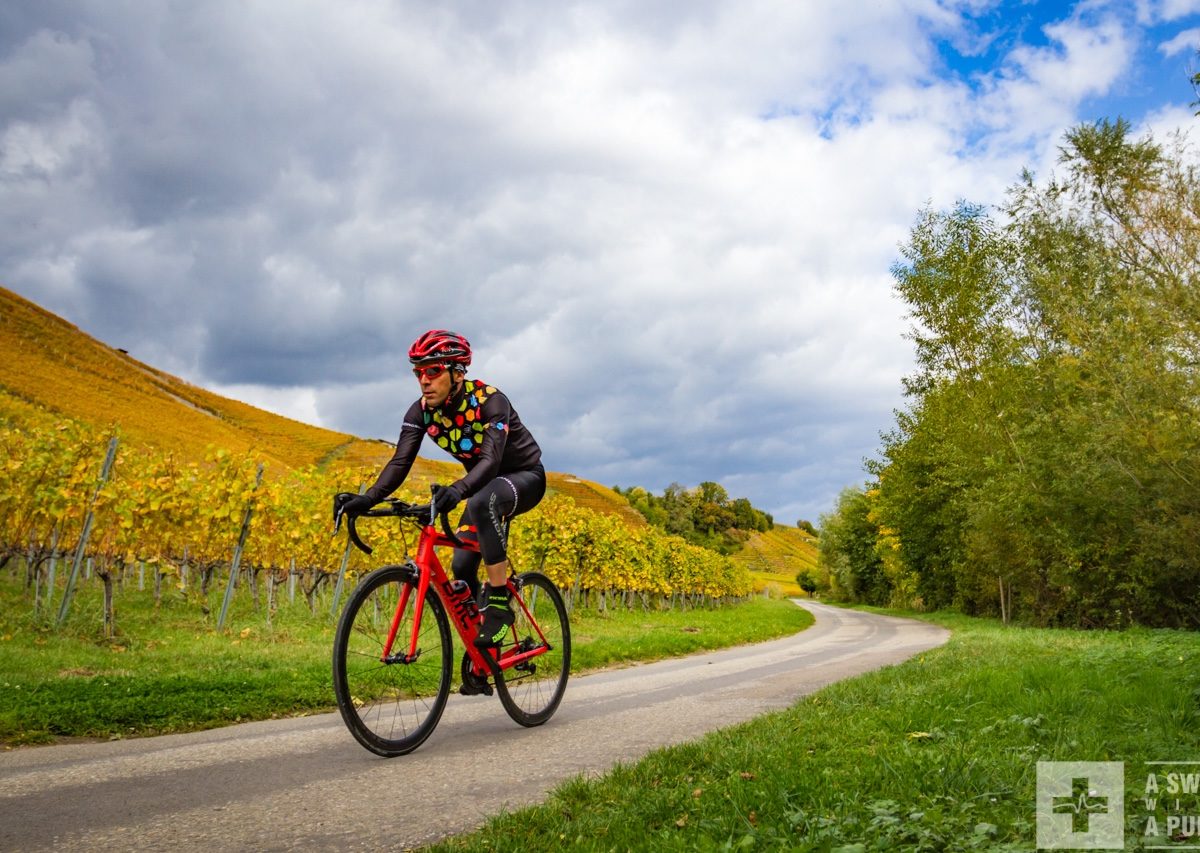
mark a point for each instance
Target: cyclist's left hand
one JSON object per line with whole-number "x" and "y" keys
{"x": 447, "y": 497}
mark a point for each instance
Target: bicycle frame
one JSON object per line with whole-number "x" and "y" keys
{"x": 431, "y": 573}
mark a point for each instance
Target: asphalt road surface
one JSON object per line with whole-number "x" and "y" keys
{"x": 305, "y": 784}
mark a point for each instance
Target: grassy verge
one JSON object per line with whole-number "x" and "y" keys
{"x": 169, "y": 670}
{"x": 599, "y": 640}
{"x": 939, "y": 753}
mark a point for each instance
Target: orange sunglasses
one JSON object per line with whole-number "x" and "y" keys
{"x": 429, "y": 371}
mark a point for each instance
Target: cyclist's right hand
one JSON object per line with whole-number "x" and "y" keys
{"x": 347, "y": 503}
{"x": 446, "y": 497}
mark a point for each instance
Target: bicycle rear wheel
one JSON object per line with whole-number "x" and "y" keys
{"x": 391, "y": 707}
{"x": 531, "y": 691}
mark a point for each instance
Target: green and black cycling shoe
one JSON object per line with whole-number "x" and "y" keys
{"x": 497, "y": 618}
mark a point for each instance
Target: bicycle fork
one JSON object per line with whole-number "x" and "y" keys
{"x": 418, "y": 610}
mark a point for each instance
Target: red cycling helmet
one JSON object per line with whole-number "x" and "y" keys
{"x": 440, "y": 345}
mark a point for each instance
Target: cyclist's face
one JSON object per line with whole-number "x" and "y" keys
{"x": 436, "y": 388}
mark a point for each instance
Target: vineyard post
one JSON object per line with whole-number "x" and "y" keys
{"x": 37, "y": 578}
{"x": 53, "y": 567}
{"x": 69, "y": 592}
{"x": 237, "y": 552}
{"x": 337, "y": 589}
{"x": 292, "y": 582}
{"x": 183, "y": 571}
{"x": 575, "y": 586}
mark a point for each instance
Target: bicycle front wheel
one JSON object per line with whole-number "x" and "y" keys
{"x": 531, "y": 691}
{"x": 391, "y": 705}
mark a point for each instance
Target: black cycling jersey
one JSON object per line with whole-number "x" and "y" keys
{"x": 477, "y": 425}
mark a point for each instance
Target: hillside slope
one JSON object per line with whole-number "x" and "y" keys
{"x": 776, "y": 557}
{"x": 595, "y": 497}
{"x": 47, "y": 362}
{"x": 50, "y": 368}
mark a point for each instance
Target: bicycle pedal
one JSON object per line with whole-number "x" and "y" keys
{"x": 470, "y": 690}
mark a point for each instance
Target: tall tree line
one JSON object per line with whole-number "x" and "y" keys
{"x": 1047, "y": 463}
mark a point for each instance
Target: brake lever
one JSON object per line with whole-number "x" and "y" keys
{"x": 445, "y": 516}
{"x": 352, "y": 529}
{"x": 458, "y": 543}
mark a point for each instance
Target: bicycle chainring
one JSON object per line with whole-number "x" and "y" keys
{"x": 476, "y": 683}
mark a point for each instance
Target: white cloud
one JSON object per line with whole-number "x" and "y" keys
{"x": 1188, "y": 40}
{"x": 667, "y": 230}
{"x": 1036, "y": 94}
{"x": 1166, "y": 122}
{"x": 1173, "y": 10}
{"x": 299, "y": 404}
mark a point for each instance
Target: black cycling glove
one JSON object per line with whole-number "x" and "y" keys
{"x": 351, "y": 504}
{"x": 446, "y": 498}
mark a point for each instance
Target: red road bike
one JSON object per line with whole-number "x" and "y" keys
{"x": 393, "y": 657}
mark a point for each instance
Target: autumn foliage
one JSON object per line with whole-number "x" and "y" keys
{"x": 184, "y": 517}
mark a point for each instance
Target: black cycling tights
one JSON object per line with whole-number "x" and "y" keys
{"x": 489, "y": 511}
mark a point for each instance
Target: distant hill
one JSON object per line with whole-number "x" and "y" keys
{"x": 50, "y": 368}
{"x": 777, "y": 555}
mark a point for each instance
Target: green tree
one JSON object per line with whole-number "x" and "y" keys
{"x": 703, "y": 516}
{"x": 848, "y": 537}
{"x": 1050, "y": 450}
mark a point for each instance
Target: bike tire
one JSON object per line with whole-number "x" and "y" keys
{"x": 391, "y": 708}
{"x": 532, "y": 694}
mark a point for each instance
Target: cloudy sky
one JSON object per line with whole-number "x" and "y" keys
{"x": 666, "y": 227}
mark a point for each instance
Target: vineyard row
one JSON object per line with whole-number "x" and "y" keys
{"x": 188, "y": 516}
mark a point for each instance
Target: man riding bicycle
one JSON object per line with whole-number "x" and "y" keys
{"x": 476, "y": 424}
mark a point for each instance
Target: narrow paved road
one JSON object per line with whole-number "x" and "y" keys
{"x": 305, "y": 784}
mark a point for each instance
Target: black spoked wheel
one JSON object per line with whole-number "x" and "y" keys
{"x": 531, "y": 691}
{"x": 391, "y": 705}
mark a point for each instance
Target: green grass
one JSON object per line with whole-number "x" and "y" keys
{"x": 620, "y": 637}
{"x": 169, "y": 670}
{"x": 939, "y": 753}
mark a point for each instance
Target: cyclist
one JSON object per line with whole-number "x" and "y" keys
{"x": 504, "y": 477}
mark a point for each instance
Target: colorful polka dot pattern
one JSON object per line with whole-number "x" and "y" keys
{"x": 461, "y": 433}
